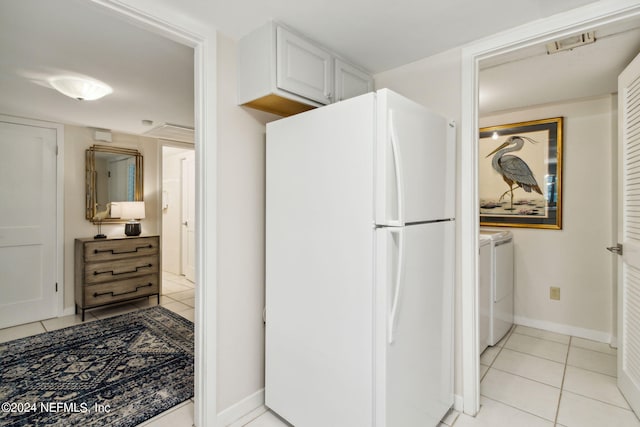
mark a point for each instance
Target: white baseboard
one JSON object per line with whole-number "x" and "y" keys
{"x": 242, "y": 408}
{"x": 69, "y": 311}
{"x": 253, "y": 406}
{"x": 560, "y": 328}
{"x": 458, "y": 403}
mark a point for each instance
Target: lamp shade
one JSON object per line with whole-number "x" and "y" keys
{"x": 131, "y": 210}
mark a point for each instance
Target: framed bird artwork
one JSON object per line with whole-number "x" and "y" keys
{"x": 520, "y": 174}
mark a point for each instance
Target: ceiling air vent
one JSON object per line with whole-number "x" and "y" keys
{"x": 172, "y": 132}
{"x": 571, "y": 42}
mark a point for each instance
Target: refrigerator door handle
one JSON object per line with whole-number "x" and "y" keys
{"x": 398, "y": 285}
{"x": 398, "y": 172}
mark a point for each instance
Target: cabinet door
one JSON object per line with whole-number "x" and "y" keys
{"x": 303, "y": 68}
{"x": 350, "y": 81}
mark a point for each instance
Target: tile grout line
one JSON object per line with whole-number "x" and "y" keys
{"x": 518, "y": 409}
{"x": 593, "y": 371}
{"x": 544, "y": 339}
{"x": 527, "y": 378}
{"x": 599, "y": 400}
{"x": 541, "y": 338}
{"x": 505, "y": 338}
{"x": 564, "y": 374}
{"x": 253, "y": 419}
{"x": 500, "y": 348}
{"x": 566, "y": 362}
{"x": 534, "y": 355}
{"x": 581, "y": 347}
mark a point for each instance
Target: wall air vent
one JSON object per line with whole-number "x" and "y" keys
{"x": 571, "y": 42}
{"x": 171, "y": 132}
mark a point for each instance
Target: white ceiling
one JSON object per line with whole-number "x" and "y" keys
{"x": 530, "y": 76}
{"x": 377, "y": 34}
{"x": 152, "y": 76}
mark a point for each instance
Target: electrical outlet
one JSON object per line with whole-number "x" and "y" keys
{"x": 554, "y": 293}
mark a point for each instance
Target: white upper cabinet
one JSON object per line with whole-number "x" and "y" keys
{"x": 303, "y": 68}
{"x": 350, "y": 81}
{"x": 284, "y": 73}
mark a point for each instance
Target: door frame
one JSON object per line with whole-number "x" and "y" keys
{"x": 59, "y": 243}
{"x": 536, "y": 32}
{"x": 202, "y": 37}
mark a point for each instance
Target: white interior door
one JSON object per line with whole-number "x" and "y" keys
{"x": 629, "y": 234}
{"x": 27, "y": 224}
{"x": 188, "y": 216}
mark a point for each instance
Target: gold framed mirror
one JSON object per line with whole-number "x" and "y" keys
{"x": 113, "y": 175}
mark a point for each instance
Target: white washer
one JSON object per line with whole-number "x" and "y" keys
{"x": 501, "y": 284}
{"x": 484, "y": 291}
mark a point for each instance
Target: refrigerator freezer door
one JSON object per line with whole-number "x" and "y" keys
{"x": 319, "y": 266}
{"x": 414, "y": 324}
{"x": 415, "y": 162}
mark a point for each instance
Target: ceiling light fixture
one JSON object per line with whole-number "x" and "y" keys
{"x": 80, "y": 88}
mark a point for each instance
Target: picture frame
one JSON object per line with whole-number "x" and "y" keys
{"x": 520, "y": 174}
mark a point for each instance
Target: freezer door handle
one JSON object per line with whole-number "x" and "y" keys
{"x": 397, "y": 170}
{"x": 397, "y": 289}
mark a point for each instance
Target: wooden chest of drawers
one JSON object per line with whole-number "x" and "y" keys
{"x": 115, "y": 270}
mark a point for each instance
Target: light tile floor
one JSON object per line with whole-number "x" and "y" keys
{"x": 539, "y": 378}
{"x": 178, "y": 295}
{"x": 534, "y": 378}
{"x": 531, "y": 378}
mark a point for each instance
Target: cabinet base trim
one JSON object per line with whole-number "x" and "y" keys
{"x": 278, "y": 105}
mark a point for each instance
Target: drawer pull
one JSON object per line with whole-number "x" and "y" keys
{"x": 113, "y": 252}
{"x": 95, "y": 273}
{"x": 95, "y": 294}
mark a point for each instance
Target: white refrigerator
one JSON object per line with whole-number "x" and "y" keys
{"x": 360, "y": 264}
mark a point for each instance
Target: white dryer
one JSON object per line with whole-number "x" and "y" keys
{"x": 501, "y": 284}
{"x": 484, "y": 291}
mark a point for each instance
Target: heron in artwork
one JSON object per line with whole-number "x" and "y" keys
{"x": 513, "y": 169}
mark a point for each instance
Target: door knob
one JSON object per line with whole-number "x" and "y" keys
{"x": 186, "y": 223}
{"x": 617, "y": 249}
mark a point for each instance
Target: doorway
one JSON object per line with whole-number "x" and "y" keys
{"x": 202, "y": 38}
{"x": 528, "y": 35}
{"x": 178, "y": 210}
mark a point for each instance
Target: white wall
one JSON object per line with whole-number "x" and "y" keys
{"x": 573, "y": 258}
{"x": 76, "y": 142}
{"x": 435, "y": 83}
{"x": 241, "y": 157}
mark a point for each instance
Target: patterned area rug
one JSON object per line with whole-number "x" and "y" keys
{"x": 118, "y": 371}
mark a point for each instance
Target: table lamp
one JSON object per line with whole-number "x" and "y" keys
{"x": 132, "y": 212}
